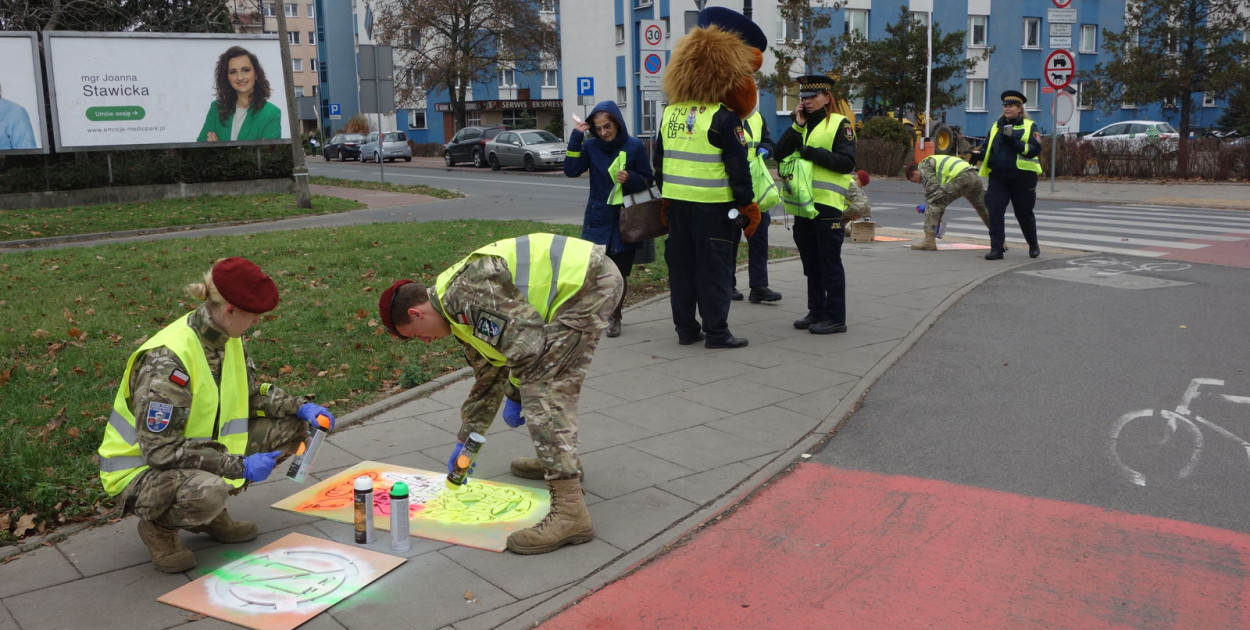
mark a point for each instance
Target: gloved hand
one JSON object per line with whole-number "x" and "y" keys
{"x": 256, "y": 467}
{"x": 451, "y": 461}
{"x": 308, "y": 412}
{"x": 664, "y": 213}
{"x": 921, "y": 208}
{"x": 763, "y": 152}
{"x": 752, "y": 212}
{"x": 512, "y": 413}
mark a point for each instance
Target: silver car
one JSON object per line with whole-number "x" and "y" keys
{"x": 394, "y": 146}
{"x": 531, "y": 148}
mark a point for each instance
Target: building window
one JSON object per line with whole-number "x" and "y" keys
{"x": 547, "y": 6}
{"x": 649, "y": 109}
{"x": 788, "y": 30}
{"x": 976, "y": 95}
{"x": 921, "y": 18}
{"x": 414, "y": 37}
{"x": 313, "y": 65}
{"x": 473, "y": 118}
{"x": 312, "y": 11}
{"x": 267, "y": 9}
{"x": 292, "y": 37}
{"x": 549, "y": 78}
{"x": 312, "y": 38}
{"x": 297, "y": 65}
{"x": 1032, "y": 33}
{"x": 514, "y": 117}
{"x": 621, "y": 96}
{"x": 856, "y": 21}
{"x": 1089, "y": 38}
{"x": 1029, "y": 88}
{"x": 620, "y": 33}
{"x": 291, "y": 10}
{"x": 315, "y": 91}
{"x": 416, "y": 119}
{"x": 507, "y": 77}
{"x": 1208, "y": 99}
{"x": 977, "y": 27}
{"x": 299, "y": 90}
{"x": 642, "y": 4}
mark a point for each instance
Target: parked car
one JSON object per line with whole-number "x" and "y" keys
{"x": 394, "y": 146}
{"x": 1132, "y": 136}
{"x": 344, "y": 146}
{"x": 531, "y": 148}
{"x": 469, "y": 144}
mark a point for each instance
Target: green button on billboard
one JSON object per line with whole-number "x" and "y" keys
{"x": 114, "y": 113}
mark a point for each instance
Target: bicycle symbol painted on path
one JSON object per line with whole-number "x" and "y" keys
{"x": 1175, "y": 437}
{"x": 1108, "y": 266}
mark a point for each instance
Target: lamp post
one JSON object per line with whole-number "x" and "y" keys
{"x": 300, "y": 170}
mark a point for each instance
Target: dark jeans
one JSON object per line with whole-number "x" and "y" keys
{"x": 699, "y": 252}
{"x": 757, "y": 254}
{"x": 820, "y": 249}
{"x": 1020, "y": 190}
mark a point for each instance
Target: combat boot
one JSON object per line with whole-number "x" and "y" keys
{"x": 224, "y": 529}
{"x": 528, "y": 468}
{"x": 927, "y": 244}
{"x": 568, "y": 522}
{"x": 168, "y": 553}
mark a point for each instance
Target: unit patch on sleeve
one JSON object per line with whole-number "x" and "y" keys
{"x": 489, "y": 326}
{"x": 159, "y": 415}
{"x": 179, "y": 378}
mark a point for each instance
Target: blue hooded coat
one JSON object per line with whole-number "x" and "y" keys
{"x": 602, "y": 221}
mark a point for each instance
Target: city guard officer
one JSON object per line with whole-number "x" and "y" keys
{"x": 1011, "y": 162}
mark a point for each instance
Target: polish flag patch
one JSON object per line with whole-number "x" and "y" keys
{"x": 179, "y": 378}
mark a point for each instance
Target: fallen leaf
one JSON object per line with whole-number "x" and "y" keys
{"x": 77, "y": 333}
{"x": 24, "y": 524}
{"x": 5, "y": 376}
{"x": 39, "y": 333}
{"x": 361, "y": 313}
{"x": 72, "y": 432}
{"x": 5, "y": 521}
{"x": 286, "y": 369}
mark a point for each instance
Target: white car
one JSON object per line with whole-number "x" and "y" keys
{"x": 1131, "y": 136}
{"x": 531, "y": 148}
{"x": 394, "y": 146}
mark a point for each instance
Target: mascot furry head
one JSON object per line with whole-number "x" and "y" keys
{"x": 716, "y": 61}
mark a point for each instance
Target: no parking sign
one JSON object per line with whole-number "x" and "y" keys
{"x": 651, "y": 66}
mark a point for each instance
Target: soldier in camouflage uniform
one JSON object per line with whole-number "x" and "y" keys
{"x": 191, "y": 424}
{"x": 529, "y": 312}
{"x": 946, "y": 178}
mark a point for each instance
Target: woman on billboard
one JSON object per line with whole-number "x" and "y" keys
{"x": 242, "y": 110}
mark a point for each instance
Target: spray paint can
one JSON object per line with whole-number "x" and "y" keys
{"x": 362, "y": 504}
{"x": 400, "y": 538}
{"x": 459, "y": 474}
{"x": 303, "y": 460}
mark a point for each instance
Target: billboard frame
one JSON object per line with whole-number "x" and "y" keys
{"x": 41, "y": 109}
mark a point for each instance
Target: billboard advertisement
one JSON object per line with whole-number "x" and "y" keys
{"x": 156, "y": 90}
{"x": 22, "y": 125}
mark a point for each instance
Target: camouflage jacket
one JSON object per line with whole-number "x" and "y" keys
{"x": 150, "y": 381}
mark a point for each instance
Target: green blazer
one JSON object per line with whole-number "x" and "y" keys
{"x": 265, "y": 124}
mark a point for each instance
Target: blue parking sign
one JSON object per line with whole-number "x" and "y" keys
{"x": 335, "y": 109}
{"x": 585, "y": 86}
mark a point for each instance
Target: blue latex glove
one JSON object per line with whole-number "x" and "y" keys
{"x": 921, "y": 208}
{"x": 308, "y": 412}
{"x": 451, "y": 461}
{"x": 256, "y": 468}
{"x": 763, "y": 152}
{"x": 512, "y": 413}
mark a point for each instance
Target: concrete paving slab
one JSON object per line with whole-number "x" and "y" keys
{"x": 610, "y": 358}
{"x": 629, "y": 520}
{"x": 702, "y": 488}
{"x": 321, "y": 622}
{"x": 593, "y": 400}
{"x": 6, "y": 619}
{"x": 662, "y": 414}
{"x": 735, "y": 395}
{"x": 345, "y": 533}
{"x": 638, "y": 384}
{"x": 92, "y": 602}
{"x": 800, "y": 379}
{"x": 819, "y": 403}
{"x": 700, "y": 448}
{"x": 525, "y": 576}
{"x": 115, "y": 546}
{"x": 625, "y": 470}
{"x": 773, "y": 427}
{"x": 36, "y": 570}
{"x": 378, "y": 441}
{"x": 597, "y": 431}
{"x": 494, "y": 618}
{"x": 410, "y": 409}
{"x": 699, "y": 370}
{"x": 254, "y": 505}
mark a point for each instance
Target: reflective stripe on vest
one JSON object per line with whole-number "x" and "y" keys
{"x": 1022, "y": 163}
{"x": 693, "y": 169}
{"x": 947, "y": 167}
{"x": 547, "y": 269}
{"x": 828, "y": 187}
{"x": 119, "y": 453}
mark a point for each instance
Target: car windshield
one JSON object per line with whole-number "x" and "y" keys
{"x": 1165, "y": 128}
{"x": 354, "y": 137}
{"x": 539, "y": 137}
{"x": 394, "y": 137}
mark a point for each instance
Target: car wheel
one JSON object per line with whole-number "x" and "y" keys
{"x": 342, "y": 157}
{"x": 377, "y": 158}
{"x": 407, "y": 159}
{"x": 494, "y": 162}
{"x": 478, "y": 160}
{"x": 447, "y": 159}
{"x": 529, "y": 162}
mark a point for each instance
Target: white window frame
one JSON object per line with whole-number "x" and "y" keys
{"x": 313, "y": 65}
{"x": 299, "y": 91}
{"x": 852, "y": 16}
{"x": 291, "y": 10}
{"x": 292, "y": 38}
{"x": 312, "y": 38}
{"x": 1088, "y": 44}
{"x": 312, "y": 10}
{"x": 1036, "y": 24}
{"x": 551, "y": 78}
{"x": 266, "y": 10}
{"x": 1208, "y": 99}
{"x": 547, "y": 6}
{"x": 412, "y": 117}
{"x": 1082, "y": 101}
{"x": 650, "y": 117}
{"x": 297, "y": 64}
{"x": 414, "y": 37}
{"x": 504, "y": 76}
{"x": 620, "y": 33}
{"x": 921, "y": 18}
{"x": 473, "y": 118}
{"x": 622, "y": 96}
{"x": 784, "y": 27}
{"x": 975, "y": 95}
{"x": 642, "y": 4}
{"x": 1032, "y": 94}
{"x": 984, "y": 25}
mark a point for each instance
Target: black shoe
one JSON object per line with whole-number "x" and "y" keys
{"x": 686, "y": 341}
{"x": 728, "y": 342}
{"x": 1034, "y": 252}
{"x": 764, "y": 294}
{"x": 807, "y": 321}
{"x": 736, "y": 295}
{"x": 995, "y": 254}
{"x": 827, "y": 327}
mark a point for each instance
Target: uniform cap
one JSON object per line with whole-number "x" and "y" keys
{"x": 386, "y": 304}
{"x": 813, "y": 84}
{"x": 244, "y": 285}
{"x": 1013, "y": 97}
{"x": 730, "y": 20}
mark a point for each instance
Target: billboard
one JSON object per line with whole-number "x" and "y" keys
{"x": 22, "y": 125}
{"x": 158, "y": 90}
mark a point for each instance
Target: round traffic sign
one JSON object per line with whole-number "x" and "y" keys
{"x": 1060, "y": 66}
{"x": 653, "y": 34}
{"x": 1062, "y": 4}
{"x": 652, "y": 64}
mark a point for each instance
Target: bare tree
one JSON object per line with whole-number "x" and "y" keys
{"x": 447, "y": 45}
{"x": 172, "y": 16}
{"x": 808, "y": 46}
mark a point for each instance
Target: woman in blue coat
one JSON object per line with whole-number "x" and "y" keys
{"x": 618, "y": 166}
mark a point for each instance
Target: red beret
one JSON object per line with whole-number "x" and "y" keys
{"x": 862, "y": 175}
{"x": 385, "y": 303}
{"x": 244, "y": 285}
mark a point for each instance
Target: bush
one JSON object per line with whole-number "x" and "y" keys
{"x": 887, "y": 129}
{"x": 881, "y": 157}
{"x": 426, "y": 149}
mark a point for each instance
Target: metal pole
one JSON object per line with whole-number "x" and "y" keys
{"x": 299, "y": 171}
{"x": 377, "y": 98}
{"x": 928, "y": 81}
{"x": 1054, "y": 137}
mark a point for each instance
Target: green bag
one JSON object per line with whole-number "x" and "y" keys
{"x": 766, "y": 195}
{"x": 795, "y": 174}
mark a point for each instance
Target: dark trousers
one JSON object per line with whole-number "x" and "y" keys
{"x": 1020, "y": 190}
{"x": 699, "y": 252}
{"x": 820, "y": 249}
{"x": 757, "y": 254}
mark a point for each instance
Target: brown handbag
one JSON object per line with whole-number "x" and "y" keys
{"x": 640, "y": 217}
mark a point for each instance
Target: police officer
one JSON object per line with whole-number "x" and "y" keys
{"x": 945, "y": 178}
{"x": 827, "y": 141}
{"x": 529, "y": 312}
{"x": 759, "y": 147}
{"x": 191, "y": 424}
{"x": 1011, "y": 162}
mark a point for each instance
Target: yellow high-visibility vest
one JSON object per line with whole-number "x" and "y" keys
{"x": 828, "y": 187}
{"x": 693, "y": 169}
{"x": 948, "y": 166}
{"x": 1025, "y": 164}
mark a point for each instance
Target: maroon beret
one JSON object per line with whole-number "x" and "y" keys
{"x": 244, "y": 285}
{"x": 385, "y": 303}
{"x": 862, "y": 175}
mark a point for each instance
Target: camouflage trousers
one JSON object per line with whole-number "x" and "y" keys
{"x": 967, "y": 185}
{"x": 186, "y": 497}
{"x": 551, "y": 404}
{"x": 857, "y": 205}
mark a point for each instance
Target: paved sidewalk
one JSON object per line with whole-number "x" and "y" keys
{"x": 670, "y": 436}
